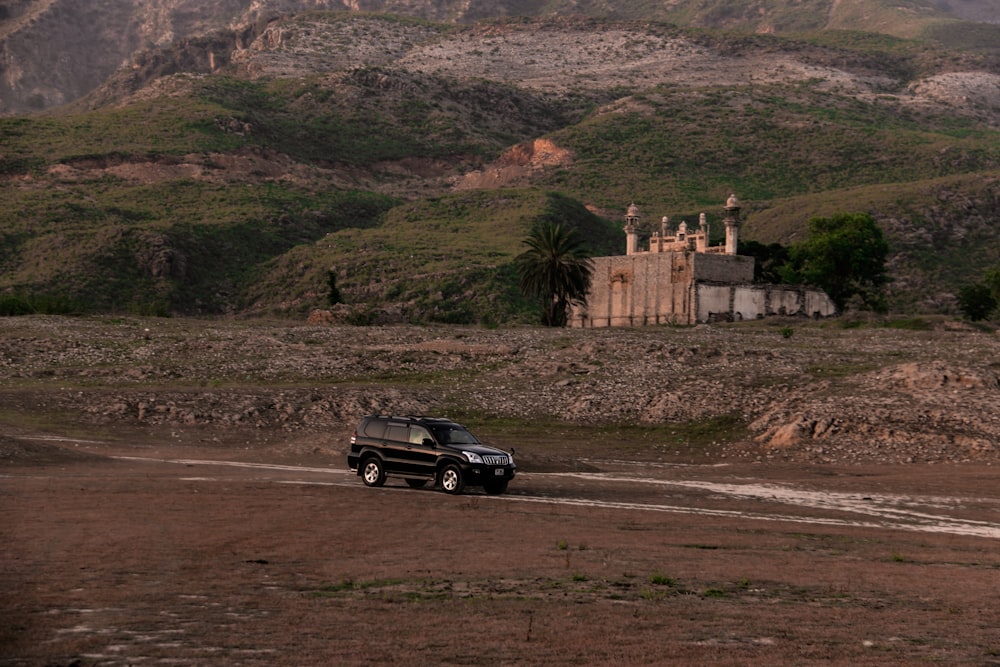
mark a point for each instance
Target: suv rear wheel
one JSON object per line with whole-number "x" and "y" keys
{"x": 373, "y": 472}
{"x": 451, "y": 479}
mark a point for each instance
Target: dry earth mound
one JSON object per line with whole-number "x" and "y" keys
{"x": 823, "y": 394}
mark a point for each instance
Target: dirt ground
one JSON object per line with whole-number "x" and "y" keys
{"x": 155, "y": 549}
{"x": 175, "y": 492}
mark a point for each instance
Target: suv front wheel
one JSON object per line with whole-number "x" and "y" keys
{"x": 451, "y": 479}
{"x": 373, "y": 472}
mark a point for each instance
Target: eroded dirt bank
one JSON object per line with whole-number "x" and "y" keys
{"x": 793, "y": 391}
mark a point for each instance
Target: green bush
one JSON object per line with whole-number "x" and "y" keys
{"x": 39, "y": 304}
{"x": 976, "y": 301}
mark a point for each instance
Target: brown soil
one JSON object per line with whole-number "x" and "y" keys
{"x": 171, "y": 556}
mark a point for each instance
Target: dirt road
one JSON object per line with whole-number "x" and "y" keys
{"x": 125, "y": 555}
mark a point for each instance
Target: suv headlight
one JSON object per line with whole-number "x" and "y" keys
{"x": 473, "y": 457}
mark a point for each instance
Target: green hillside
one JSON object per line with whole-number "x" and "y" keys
{"x": 689, "y": 149}
{"x": 96, "y": 241}
{"x": 443, "y": 259}
{"x": 224, "y": 194}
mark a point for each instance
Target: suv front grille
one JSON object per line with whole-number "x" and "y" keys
{"x": 496, "y": 460}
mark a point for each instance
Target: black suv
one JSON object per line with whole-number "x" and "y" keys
{"x": 422, "y": 449}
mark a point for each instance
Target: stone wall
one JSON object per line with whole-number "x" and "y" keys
{"x": 635, "y": 290}
{"x": 748, "y": 302}
{"x": 723, "y": 268}
{"x": 686, "y": 288}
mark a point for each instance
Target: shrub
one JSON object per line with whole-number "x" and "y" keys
{"x": 976, "y": 301}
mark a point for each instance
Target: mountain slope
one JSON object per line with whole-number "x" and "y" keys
{"x": 410, "y": 158}
{"x": 56, "y": 51}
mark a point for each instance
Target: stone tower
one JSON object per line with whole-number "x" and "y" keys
{"x": 732, "y": 224}
{"x": 632, "y": 230}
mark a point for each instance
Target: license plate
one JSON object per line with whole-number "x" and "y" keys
{"x": 498, "y": 472}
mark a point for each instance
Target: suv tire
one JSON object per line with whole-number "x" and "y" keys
{"x": 373, "y": 471}
{"x": 451, "y": 480}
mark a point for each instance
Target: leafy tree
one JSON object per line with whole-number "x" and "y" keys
{"x": 845, "y": 255}
{"x": 992, "y": 280}
{"x": 976, "y": 301}
{"x": 555, "y": 269}
{"x": 768, "y": 260}
{"x": 333, "y": 295}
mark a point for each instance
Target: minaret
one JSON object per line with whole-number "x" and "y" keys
{"x": 732, "y": 224}
{"x": 632, "y": 230}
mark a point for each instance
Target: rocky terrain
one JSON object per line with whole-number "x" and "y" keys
{"x": 775, "y": 391}
{"x": 56, "y": 51}
{"x": 573, "y": 56}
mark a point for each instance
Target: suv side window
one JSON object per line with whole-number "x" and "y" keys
{"x": 375, "y": 428}
{"x": 417, "y": 434}
{"x": 397, "y": 433}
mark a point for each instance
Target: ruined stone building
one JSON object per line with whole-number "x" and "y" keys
{"x": 681, "y": 279}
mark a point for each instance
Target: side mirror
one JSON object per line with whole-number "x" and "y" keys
{"x": 428, "y": 442}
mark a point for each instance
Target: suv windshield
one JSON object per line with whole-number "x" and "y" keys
{"x": 453, "y": 434}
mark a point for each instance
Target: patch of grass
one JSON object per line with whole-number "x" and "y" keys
{"x": 162, "y": 126}
{"x": 343, "y": 585}
{"x": 662, "y": 580}
{"x": 609, "y": 440}
{"x": 40, "y": 304}
{"x": 350, "y": 585}
{"x": 965, "y": 35}
{"x": 166, "y": 247}
{"x": 654, "y": 594}
{"x": 910, "y": 324}
{"x": 863, "y": 144}
{"x": 414, "y": 257}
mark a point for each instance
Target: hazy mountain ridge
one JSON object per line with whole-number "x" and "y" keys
{"x": 55, "y": 51}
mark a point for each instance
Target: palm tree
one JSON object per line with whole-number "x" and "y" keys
{"x": 555, "y": 269}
